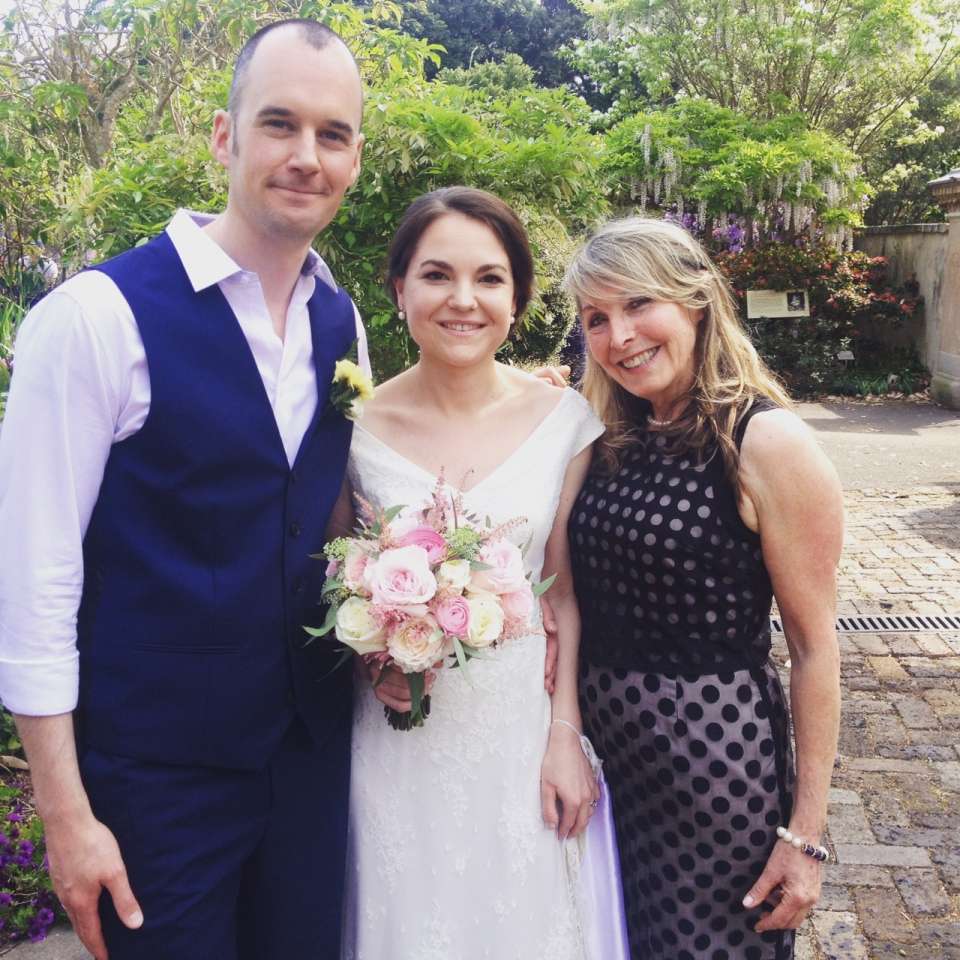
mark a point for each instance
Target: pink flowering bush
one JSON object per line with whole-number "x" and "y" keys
{"x": 852, "y": 307}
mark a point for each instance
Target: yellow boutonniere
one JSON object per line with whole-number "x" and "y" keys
{"x": 350, "y": 388}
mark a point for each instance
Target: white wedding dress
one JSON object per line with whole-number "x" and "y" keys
{"x": 448, "y": 857}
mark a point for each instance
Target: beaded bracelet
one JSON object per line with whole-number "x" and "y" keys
{"x": 818, "y": 853}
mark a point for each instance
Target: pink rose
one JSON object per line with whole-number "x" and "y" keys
{"x": 505, "y": 573}
{"x": 427, "y": 538}
{"x": 332, "y": 567}
{"x": 518, "y": 605}
{"x": 400, "y": 577}
{"x": 354, "y": 565}
{"x": 453, "y": 615}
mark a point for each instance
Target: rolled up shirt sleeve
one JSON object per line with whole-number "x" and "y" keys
{"x": 66, "y": 401}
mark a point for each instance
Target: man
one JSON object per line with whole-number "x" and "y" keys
{"x": 168, "y": 464}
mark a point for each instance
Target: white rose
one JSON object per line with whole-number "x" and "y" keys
{"x": 416, "y": 644}
{"x": 400, "y": 577}
{"x": 454, "y": 574}
{"x": 486, "y": 619}
{"x": 357, "y": 628}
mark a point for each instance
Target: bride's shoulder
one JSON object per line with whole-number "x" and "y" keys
{"x": 531, "y": 392}
{"x": 390, "y": 402}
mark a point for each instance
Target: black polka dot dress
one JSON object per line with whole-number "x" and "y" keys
{"x": 680, "y": 700}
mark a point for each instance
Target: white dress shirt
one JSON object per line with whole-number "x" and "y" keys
{"x": 81, "y": 384}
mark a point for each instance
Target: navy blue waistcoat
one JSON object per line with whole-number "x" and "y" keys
{"x": 197, "y": 570}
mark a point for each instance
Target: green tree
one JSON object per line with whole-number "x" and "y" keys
{"x": 475, "y": 31}
{"x": 777, "y": 175}
{"x": 493, "y": 129}
{"x": 911, "y": 152}
{"x": 848, "y": 66}
{"x": 75, "y": 78}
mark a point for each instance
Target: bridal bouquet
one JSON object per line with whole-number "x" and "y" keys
{"x": 423, "y": 588}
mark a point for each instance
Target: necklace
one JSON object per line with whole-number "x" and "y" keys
{"x": 659, "y": 424}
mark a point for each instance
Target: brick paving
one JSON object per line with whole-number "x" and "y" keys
{"x": 894, "y": 813}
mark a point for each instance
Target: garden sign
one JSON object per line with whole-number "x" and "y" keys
{"x": 777, "y": 303}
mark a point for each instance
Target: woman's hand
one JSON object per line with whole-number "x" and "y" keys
{"x": 392, "y": 690}
{"x": 798, "y": 878}
{"x": 568, "y": 789}
{"x": 555, "y": 376}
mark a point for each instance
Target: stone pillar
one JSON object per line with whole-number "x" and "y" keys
{"x": 945, "y": 382}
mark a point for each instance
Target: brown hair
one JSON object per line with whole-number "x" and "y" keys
{"x": 478, "y": 205}
{"x": 658, "y": 260}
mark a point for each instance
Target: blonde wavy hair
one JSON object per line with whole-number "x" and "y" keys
{"x": 638, "y": 257}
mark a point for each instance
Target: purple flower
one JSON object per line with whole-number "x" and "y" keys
{"x": 5, "y": 899}
{"x": 26, "y": 848}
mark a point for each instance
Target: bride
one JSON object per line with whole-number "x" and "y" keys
{"x": 458, "y": 828}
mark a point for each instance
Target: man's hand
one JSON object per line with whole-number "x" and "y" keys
{"x": 557, "y": 376}
{"x": 83, "y": 854}
{"x": 84, "y": 859}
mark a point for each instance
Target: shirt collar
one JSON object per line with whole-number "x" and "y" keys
{"x": 207, "y": 263}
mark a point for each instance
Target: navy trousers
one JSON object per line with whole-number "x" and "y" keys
{"x": 229, "y": 864}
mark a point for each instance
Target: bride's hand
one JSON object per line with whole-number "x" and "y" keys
{"x": 393, "y": 690}
{"x": 568, "y": 788}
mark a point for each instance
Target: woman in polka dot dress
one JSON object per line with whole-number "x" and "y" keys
{"x": 706, "y": 498}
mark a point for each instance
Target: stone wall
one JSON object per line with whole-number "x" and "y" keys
{"x": 917, "y": 250}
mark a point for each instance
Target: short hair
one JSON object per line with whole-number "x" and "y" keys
{"x": 312, "y": 32}
{"x": 478, "y": 205}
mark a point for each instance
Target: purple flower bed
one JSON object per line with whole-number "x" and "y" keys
{"x": 28, "y": 906}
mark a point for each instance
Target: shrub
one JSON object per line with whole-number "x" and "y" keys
{"x": 28, "y": 906}
{"x": 851, "y": 306}
{"x": 11, "y": 313}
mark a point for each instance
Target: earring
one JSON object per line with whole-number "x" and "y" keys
{"x": 401, "y": 313}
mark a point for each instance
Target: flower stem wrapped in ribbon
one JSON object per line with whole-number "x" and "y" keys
{"x": 425, "y": 588}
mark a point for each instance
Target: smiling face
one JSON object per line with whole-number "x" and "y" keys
{"x": 458, "y": 291}
{"x": 293, "y": 148}
{"x": 647, "y": 346}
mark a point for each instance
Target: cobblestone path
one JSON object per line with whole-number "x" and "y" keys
{"x": 894, "y": 816}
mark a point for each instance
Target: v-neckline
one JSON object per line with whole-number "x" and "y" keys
{"x": 497, "y": 469}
